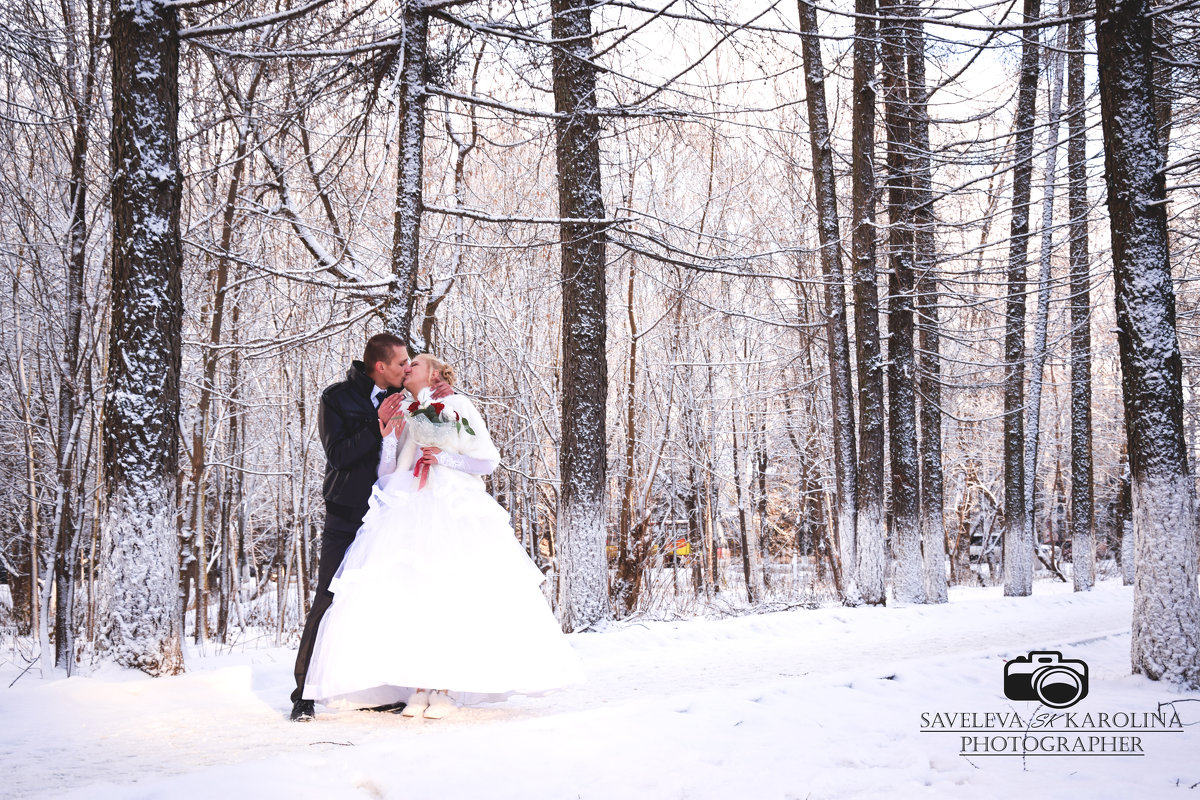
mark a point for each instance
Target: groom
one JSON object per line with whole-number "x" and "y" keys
{"x": 349, "y": 420}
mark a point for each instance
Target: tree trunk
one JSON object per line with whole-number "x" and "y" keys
{"x": 1124, "y": 520}
{"x": 1018, "y": 530}
{"x": 215, "y": 311}
{"x": 630, "y": 549}
{"x": 902, "y": 411}
{"x": 754, "y": 587}
{"x": 70, "y": 405}
{"x": 763, "y": 529}
{"x": 1166, "y": 606}
{"x": 1042, "y": 316}
{"x": 1082, "y": 517}
{"x": 21, "y": 582}
{"x": 583, "y": 591}
{"x": 406, "y": 235}
{"x": 871, "y": 538}
{"x": 140, "y": 623}
{"x": 841, "y": 388}
{"x": 929, "y": 377}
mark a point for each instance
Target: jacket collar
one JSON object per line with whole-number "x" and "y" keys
{"x": 357, "y": 375}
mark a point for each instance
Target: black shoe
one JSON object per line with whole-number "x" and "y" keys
{"x": 303, "y": 711}
{"x": 393, "y": 708}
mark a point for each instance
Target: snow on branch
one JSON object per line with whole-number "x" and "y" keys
{"x": 514, "y": 32}
{"x": 255, "y": 22}
{"x": 336, "y": 52}
{"x": 483, "y": 216}
{"x": 699, "y": 263}
{"x": 489, "y": 103}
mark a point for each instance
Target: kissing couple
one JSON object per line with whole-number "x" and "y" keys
{"x": 425, "y": 600}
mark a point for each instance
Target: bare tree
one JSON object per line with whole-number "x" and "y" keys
{"x": 902, "y": 410}
{"x": 1082, "y": 517}
{"x": 583, "y": 588}
{"x": 842, "y": 390}
{"x": 1018, "y": 530}
{"x": 1166, "y": 613}
{"x": 1041, "y": 318}
{"x": 406, "y": 244}
{"x": 871, "y": 492}
{"x": 141, "y": 623}
{"x": 929, "y": 379}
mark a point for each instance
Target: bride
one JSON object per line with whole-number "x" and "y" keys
{"x": 435, "y": 602}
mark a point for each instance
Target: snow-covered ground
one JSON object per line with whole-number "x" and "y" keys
{"x": 826, "y": 703}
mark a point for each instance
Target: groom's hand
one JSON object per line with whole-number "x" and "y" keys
{"x": 439, "y": 388}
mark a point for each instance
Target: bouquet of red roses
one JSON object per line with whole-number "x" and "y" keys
{"x": 433, "y": 425}
{"x": 424, "y": 407}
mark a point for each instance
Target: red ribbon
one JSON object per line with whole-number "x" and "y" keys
{"x": 421, "y": 470}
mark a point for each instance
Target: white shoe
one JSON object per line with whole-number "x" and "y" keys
{"x": 416, "y": 704}
{"x": 440, "y": 705}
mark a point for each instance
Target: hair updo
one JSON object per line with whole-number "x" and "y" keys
{"x": 441, "y": 368}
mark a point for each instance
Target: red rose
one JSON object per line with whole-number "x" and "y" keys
{"x": 437, "y": 408}
{"x": 413, "y": 406}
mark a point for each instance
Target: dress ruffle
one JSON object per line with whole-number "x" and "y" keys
{"x": 435, "y": 592}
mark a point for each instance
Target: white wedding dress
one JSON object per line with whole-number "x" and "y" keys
{"x": 435, "y": 592}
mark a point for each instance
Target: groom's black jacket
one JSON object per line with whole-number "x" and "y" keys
{"x": 349, "y": 427}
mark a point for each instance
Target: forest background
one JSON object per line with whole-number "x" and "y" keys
{"x": 765, "y": 303}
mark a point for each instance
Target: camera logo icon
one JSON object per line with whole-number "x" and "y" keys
{"x": 1046, "y": 676}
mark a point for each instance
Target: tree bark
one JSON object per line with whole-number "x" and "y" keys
{"x": 929, "y": 377}
{"x": 1018, "y": 530}
{"x": 754, "y": 587}
{"x": 70, "y": 405}
{"x": 902, "y": 411}
{"x": 871, "y": 538}
{"x": 583, "y": 590}
{"x": 406, "y": 235}
{"x": 215, "y": 311}
{"x": 841, "y": 387}
{"x": 1124, "y": 518}
{"x": 1041, "y": 318}
{"x": 140, "y": 621}
{"x": 1082, "y": 516}
{"x": 630, "y": 548}
{"x": 1166, "y": 605}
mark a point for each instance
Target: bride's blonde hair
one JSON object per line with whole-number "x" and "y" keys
{"x": 441, "y": 368}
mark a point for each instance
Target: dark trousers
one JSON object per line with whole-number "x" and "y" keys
{"x": 336, "y": 537}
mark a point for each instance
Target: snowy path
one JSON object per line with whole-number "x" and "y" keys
{"x": 823, "y": 703}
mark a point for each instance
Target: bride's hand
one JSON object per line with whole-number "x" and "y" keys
{"x": 391, "y": 418}
{"x": 394, "y": 424}
{"x": 426, "y": 460}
